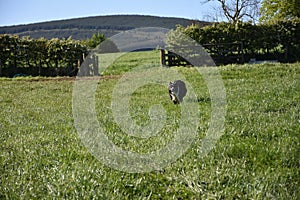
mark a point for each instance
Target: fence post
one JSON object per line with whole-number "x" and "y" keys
{"x": 95, "y": 65}
{"x": 162, "y": 58}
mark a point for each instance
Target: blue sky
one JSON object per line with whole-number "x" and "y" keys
{"x": 14, "y": 12}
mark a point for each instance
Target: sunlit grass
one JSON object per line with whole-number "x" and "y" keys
{"x": 41, "y": 155}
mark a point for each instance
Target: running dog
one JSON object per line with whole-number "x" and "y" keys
{"x": 177, "y": 91}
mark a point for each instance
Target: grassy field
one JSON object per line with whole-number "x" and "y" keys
{"x": 42, "y": 157}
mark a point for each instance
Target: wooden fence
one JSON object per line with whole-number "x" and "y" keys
{"x": 222, "y": 54}
{"x": 168, "y": 58}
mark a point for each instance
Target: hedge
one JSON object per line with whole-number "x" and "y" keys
{"x": 40, "y": 57}
{"x": 279, "y": 41}
{"x": 61, "y": 57}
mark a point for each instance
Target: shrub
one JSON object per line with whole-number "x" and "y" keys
{"x": 279, "y": 40}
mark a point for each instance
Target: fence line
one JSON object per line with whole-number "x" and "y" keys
{"x": 221, "y": 53}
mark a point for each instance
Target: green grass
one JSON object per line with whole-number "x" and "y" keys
{"x": 42, "y": 157}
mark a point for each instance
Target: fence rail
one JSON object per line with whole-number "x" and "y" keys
{"x": 222, "y": 53}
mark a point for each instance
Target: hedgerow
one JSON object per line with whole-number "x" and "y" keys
{"x": 280, "y": 41}
{"x": 40, "y": 56}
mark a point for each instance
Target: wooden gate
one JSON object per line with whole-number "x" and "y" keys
{"x": 221, "y": 53}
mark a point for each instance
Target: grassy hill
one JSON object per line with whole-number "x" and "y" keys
{"x": 82, "y": 28}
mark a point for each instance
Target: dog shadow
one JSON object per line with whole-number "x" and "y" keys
{"x": 199, "y": 100}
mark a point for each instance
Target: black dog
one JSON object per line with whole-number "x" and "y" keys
{"x": 177, "y": 91}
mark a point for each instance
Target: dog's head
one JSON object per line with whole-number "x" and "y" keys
{"x": 177, "y": 91}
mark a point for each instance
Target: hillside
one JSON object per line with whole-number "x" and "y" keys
{"x": 82, "y": 28}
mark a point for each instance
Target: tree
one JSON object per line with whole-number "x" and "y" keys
{"x": 279, "y": 10}
{"x": 239, "y": 10}
{"x": 96, "y": 39}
